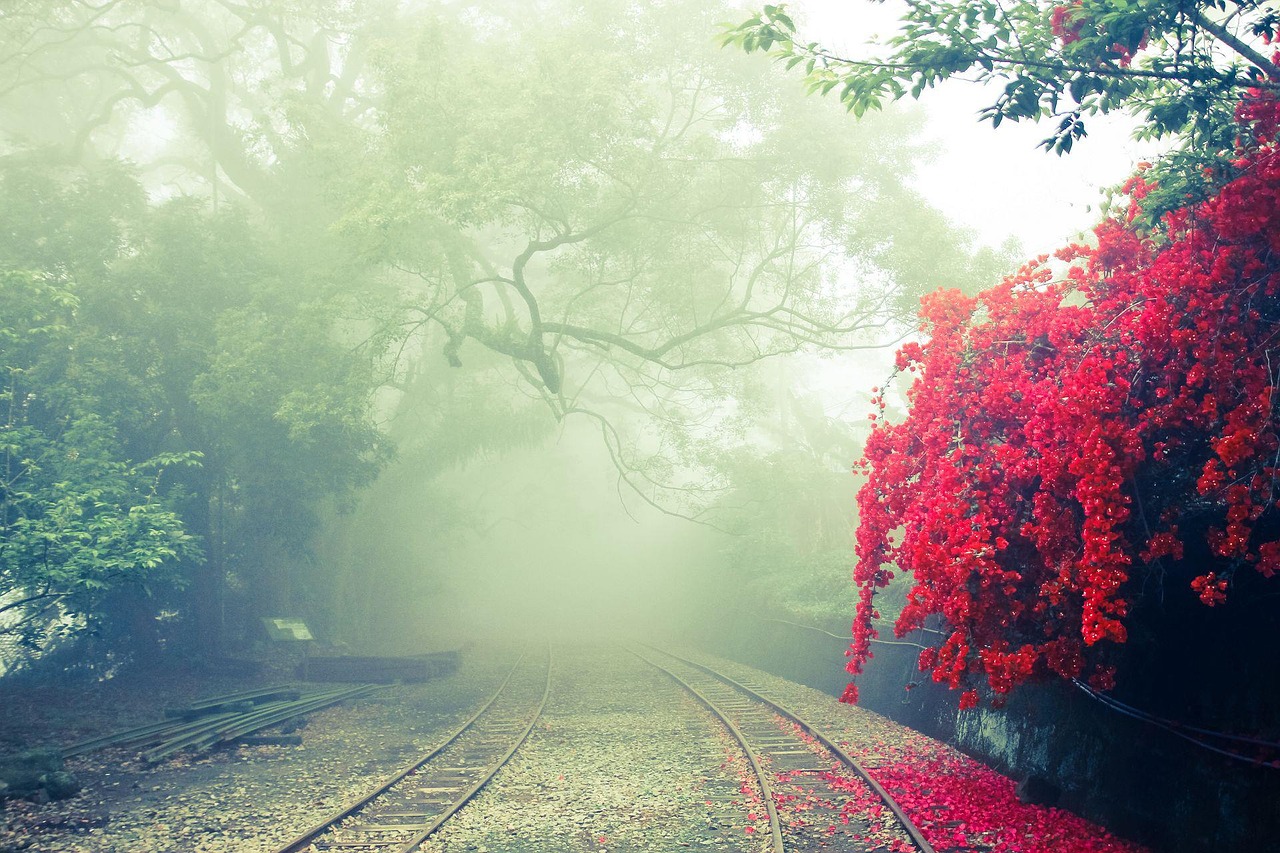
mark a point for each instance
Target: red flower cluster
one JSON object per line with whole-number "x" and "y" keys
{"x": 1088, "y": 419}
{"x": 1068, "y": 22}
{"x": 960, "y": 805}
{"x": 1211, "y": 589}
{"x": 1065, "y": 22}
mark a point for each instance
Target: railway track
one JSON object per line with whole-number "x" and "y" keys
{"x": 777, "y": 753}
{"x": 407, "y": 808}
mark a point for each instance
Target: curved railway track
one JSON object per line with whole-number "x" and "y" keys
{"x": 750, "y": 718}
{"x": 407, "y": 808}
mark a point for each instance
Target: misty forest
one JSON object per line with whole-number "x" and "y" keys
{"x": 598, "y": 399}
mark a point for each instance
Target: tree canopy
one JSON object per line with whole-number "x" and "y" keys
{"x": 628, "y": 219}
{"x": 1183, "y": 68}
{"x": 143, "y": 457}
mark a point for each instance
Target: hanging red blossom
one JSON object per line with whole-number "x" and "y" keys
{"x": 1093, "y": 418}
{"x": 1065, "y": 23}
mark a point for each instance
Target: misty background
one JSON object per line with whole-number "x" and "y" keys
{"x": 459, "y": 319}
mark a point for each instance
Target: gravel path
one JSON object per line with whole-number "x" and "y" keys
{"x": 622, "y": 761}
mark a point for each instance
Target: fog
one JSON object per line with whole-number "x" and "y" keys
{"x": 435, "y": 321}
{"x": 338, "y": 332}
{"x": 550, "y": 544}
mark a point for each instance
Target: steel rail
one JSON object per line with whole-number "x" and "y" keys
{"x": 466, "y": 797}
{"x": 142, "y": 735}
{"x": 845, "y": 758}
{"x": 363, "y": 800}
{"x": 303, "y": 841}
{"x": 775, "y": 823}
{"x": 211, "y": 731}
{"x": 191, "y": 731}
{"x": 221, "y": 731}
{"x": 282, "y": 692}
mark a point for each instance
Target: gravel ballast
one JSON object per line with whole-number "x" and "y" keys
{"x": 623, "y": 759}
{"x": 245, "y": 799}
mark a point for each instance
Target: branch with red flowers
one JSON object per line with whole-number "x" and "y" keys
{"x": 1071, "y": 436}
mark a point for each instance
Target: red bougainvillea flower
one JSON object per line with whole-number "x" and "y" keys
{"x": 1100, "y": 415}
{"x": 1211, "y": 589}
{"x": 1065, "y": 23}
{"x": 961, "y": 805}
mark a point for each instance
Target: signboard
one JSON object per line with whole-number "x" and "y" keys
{"x": 286, "y": 630}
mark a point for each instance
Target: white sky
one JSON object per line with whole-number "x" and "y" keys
{"x": 996, "y": 182}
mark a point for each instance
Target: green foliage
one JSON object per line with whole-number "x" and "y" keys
{"x": 1182, "y": 67}
{"x": 76, "y": 520}
{"x": 187, "y": 335}
{"x": 66, "y": 222}
{"x": 250, "y": 349}
{"x": 287, "y": 406}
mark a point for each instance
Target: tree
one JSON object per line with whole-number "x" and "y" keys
{"x": 231, "y": 79}
{"x": 285, "y": 407}
{"x": 1086, "y": 439}
{"x": 1182, "y": 67}
{"x": 77, "y": 521}
{"x": 617, "y": 222}
{"x": 237, "y": 351}
{"x": 630, "y": 216}
{"x": 194, "y": 335}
